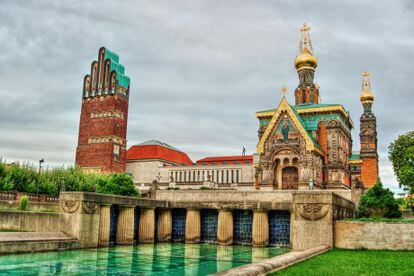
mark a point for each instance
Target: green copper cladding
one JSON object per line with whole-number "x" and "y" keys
{"x": 354, "y": 157}
{"x": 123, "y": 80}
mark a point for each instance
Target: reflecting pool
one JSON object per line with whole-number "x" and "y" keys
{"x": 144, "y": 259}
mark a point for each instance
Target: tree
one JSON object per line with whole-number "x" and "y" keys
{"x": 379, "y": 202}
{"x": 401, "y": 154}
{"x": 118, "y": 184}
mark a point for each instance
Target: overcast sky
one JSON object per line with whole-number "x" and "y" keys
{"x": 199, "y": 69}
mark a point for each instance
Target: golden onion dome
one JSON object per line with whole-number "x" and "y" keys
{"x": 306, "y": 60}
{"x": 367, "y": 96}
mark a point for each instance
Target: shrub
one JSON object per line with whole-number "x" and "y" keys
{"x": 118, "y": 184}
{"x": 25, "y": 178}
{"x": 378, "y": 202}
{"x": 24, "y": 200}
{"x": 204, "y": 188}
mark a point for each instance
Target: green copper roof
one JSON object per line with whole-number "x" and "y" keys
{"x": 122, "y": 79}
{"x": 302, "y": 106}
{"x": 304, "y": 126}
{"x": 307, "y": 106}
{"x": 355, "y": 156}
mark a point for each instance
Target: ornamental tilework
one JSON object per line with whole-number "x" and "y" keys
{"x": 178, "y": 224}
{"x": 242, "y": 223}
{"x": 279, "y": 228}
{"x": 136, "y": 224}
{"x": 113, "y": 219}
{"x": 209, "y": 222}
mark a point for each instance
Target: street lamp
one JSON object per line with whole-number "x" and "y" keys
{"x": 41, "y": 161}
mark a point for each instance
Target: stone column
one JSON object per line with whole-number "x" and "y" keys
{"x": 164, "y": 232}
{"x": 225, "y": 227}
{"x": 260, "y": 231}
{"x": 125, "y": 225}
{"x": 104, "y": 225}
{"x": 192, "y": 226}
{"x": 146, "y": 227}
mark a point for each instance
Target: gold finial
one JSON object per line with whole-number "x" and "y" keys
{"x": 284, "y": 90}
{"x": 365, "y": 82}
{"x": 305, "y": 59}
{"x": 305, "y": 42}
{"x": 367, "y": 95}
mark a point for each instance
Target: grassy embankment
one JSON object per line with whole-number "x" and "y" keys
{"x": 355, "y": 262}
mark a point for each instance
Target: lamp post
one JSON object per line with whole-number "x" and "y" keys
{"x": 41, "y": 162}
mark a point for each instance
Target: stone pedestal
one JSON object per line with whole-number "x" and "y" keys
{"x": 104, "y": 225}
{"x": 313, "y": 216}
{"x": 146, "y": 227}
{"x": 164, "y": 231}
{"x": 80, "y": 218}
{"x": 192, "y": 226}
{"x": 125, "y": 225}
{"x": 225, "y": 227}
{"x": 260, "y": 231}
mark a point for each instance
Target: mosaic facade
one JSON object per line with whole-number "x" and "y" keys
{"x": 209, "y": 222}
{"x": 279, "y": 228}
{"x": 242, "y": 226}
{"x": 178, "y": 224}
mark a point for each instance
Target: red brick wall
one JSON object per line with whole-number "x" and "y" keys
{"x": 101, "y": 154}
{"x": 369, "y": 172}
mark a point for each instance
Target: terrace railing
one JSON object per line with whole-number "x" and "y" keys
{"x": 15, "y": 196}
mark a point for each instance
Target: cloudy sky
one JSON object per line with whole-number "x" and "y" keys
{"x": 199, "y": 69}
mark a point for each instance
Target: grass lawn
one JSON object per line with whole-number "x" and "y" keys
{"x": 355, "y": 262}
{"x": 410, "y": 220}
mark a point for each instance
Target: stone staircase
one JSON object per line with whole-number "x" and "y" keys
{"x": 20, "y": 242}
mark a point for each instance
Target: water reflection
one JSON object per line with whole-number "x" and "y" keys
{"x": 143, "y": 259}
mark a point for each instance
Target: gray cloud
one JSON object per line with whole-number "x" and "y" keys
{"x": 199, "y": 69}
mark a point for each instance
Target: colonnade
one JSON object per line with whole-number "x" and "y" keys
{"x": 164, "y": 226}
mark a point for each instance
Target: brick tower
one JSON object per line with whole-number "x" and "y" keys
{"x": 104, "y": 115}
{"x": 368, "y": 136}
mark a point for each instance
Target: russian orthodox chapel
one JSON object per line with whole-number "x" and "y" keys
{"x": 309, "y": 144}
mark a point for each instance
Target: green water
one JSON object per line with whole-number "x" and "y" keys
{"x": 158, "y": 259}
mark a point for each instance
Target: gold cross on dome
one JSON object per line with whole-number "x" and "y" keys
{"x": 284, "y": 90}
{"x": 365, "y": 74}
{"x": 305, "y": 28}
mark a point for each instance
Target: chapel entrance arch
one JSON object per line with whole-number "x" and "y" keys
{"x": 290, "y": 178}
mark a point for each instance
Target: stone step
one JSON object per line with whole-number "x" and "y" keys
{"x": 21, "y": 242}
{"x": 33, "y": 236}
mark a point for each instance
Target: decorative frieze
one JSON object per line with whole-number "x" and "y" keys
{"x": 107, "y": 114}
{"x": 106, "y": 139}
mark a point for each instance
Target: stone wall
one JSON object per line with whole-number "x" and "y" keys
{"x": 313, "y": 217}
{"x": 225, "y": 196}
{"x": 374, "y": 235}
{"x": 32, "y": 206}
{"x": 29, "y": 221}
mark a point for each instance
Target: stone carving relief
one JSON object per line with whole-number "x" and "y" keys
{"x": 70, "y": 206}
{"x": 89, "y": 207}
{"x": 312, "y": 211}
